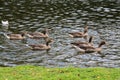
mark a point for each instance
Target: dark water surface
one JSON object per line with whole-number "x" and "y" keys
{"x": 103, "y": 19}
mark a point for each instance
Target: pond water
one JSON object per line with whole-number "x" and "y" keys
{"x": 62, "y": 17}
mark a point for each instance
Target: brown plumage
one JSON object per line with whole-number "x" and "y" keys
{"x": 38, "y": 35}
{"x": 15, "y": 36}
{"x": 80, "y": 34}
{"x": 90, "y": 49}
{"x": 84, "y": 43}
{"x": 42, "y": 46}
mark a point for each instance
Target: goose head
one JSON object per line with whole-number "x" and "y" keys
{"x": 48, "y": 41}
{"x": 101, "y": 44}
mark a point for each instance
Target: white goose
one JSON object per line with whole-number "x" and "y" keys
{"x": 5, "y": 23}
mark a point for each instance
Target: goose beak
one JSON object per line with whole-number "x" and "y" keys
{"x": 52, "y": 41}
{"x": 107, "y": 44}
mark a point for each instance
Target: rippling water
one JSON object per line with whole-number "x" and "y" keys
{"x": 62, "y": 17}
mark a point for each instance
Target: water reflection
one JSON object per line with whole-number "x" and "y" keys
{"x": 101, "y": 17}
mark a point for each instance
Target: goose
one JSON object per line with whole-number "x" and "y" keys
{"x": 15, "y": 36}
{"x": 84, "y": 43}
{"x": 80, "y": 34}
{"x": 42, "y": 46}
{"x": 90, "y": 49}
{"x": 5, "y": 23}
{"x": 38, "y": 35}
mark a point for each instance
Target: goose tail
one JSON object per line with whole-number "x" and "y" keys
{"x": 6, "y": 35}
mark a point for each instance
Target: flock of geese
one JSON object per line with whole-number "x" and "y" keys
{"x": 83, "y": 47}
{"x": 87, "y": 46}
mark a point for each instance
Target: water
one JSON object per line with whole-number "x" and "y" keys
{"x": 61, "y": 17}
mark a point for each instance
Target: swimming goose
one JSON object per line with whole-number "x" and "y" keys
{"x": 90, "y": 49}
{"x": 84, "y": 43}
{"x": 15, "y": 36}
{"x": 38, "y": 35}
{"x": 42, "y": 46}
{"x": 80, "y": 34}
{"x": 5, "y": 23}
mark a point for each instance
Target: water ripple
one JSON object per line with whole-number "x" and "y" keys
{"x": 102, "y": 17}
